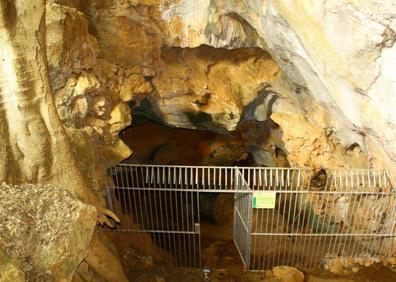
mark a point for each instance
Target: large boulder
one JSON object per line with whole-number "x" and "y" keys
{"x": 45, "y": 230}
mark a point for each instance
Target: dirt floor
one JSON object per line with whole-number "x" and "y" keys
{"x": 222, "y": 259}
{"x": 161, "y": 274}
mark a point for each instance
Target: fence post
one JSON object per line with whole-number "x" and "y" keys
{"x": 236, "y": 178}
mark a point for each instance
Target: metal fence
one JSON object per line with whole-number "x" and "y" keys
{"x": 242, "y": 218}
{"x": 351, "y": 216}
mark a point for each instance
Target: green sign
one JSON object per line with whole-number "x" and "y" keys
{"x": 264, "y": 200}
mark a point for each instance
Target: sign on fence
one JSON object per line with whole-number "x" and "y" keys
{"x": 264, "y": 200}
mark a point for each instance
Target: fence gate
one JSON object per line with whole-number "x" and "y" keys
{"x": 161, "y": 202}
{"x": 242, "y": 218}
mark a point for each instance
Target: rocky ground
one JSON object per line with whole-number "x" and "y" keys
{"x": 144, "y": 271}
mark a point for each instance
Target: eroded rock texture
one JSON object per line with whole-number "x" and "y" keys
{"x": 338, "y": 56}
{"x": 45, "y": 230}
{"x": 328, "y": 113}
{"x": 327, "y": 86}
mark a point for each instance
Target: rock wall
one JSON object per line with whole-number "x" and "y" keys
{"x": 340, "y": 52}
{"x": 328, "y": 82}
{"x": 151, "y": 52}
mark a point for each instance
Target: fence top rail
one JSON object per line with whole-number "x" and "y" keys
{"x": 257, "y": 167}
{"x": 253, "y": 178}
{"x": 358, "y": 170}
{"x": 222, "y": 167}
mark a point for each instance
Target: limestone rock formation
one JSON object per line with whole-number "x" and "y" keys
{"x": 329, "y": 106}
{"x": 45, "y": 230}
{"x": 35, "y": 146}
{"x": 340, "y": 52}
{"x": 323, "y": 87}
{"x": 208, "y": 88}
{"x": 87, "y": 92}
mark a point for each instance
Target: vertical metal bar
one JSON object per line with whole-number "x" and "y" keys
{"x": 357, "y": 223}
{"x": 132, "y": 169}
{"x": 146, "y": 179}
{"x": 374, "y": 252}
{"x": 249, "y": 226}
{"x": 196, "y": 179}
{"x": 180, "y": 182}
{"x": 179, "y": 211}
{"x": 172, "y": 225}
{"x": 285, "y": 201}
{"x": 129, "y": 175}
{"x": 188, "y": 227}
{"x": 221, "y": 178}
{"x": 337, "y": 238}
{"x": 146, "y": 219}
{"x": 295, "y": 226}
{"x": 169, "y": 175}
{"x": 152, "y": 176}
{"x": 307, "y": 223}
{"x": 139, "y": 206}
{"x": 182, "y": 219}
{"x": 283, "y": 179}
{"x": 226, "y": 174}
{"x": 163, "y": 182}
{"x": 315, "y": 239}
{"x": 260, "y": 180}
{"x": 333, "y": 184}
{"x": 185, "y": 177}
{"x": 232, "y": 179}
{"x": 327, "y": 196}
{"x": 272, "y": 225}
{"x": 209, "y": 175}
{"x": 345, "y": 185}
{"x": 277, "y": 177}
{"x": 199, "y": 222}
{"x": 266, "y": 179}
{"x": 255, "y": 215}
{"x": 214, "y": 178}
{"x": 191, "y": 185}
{"x": 203, "y": 178}
{"x": 351, "y": 213}
{"x": 193, "y": 224}
{"x": 248, "y": 178}
{"x": 122, "y": 193}
{"x": 174, "y": 176}
{"x": 168, "y": 218}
